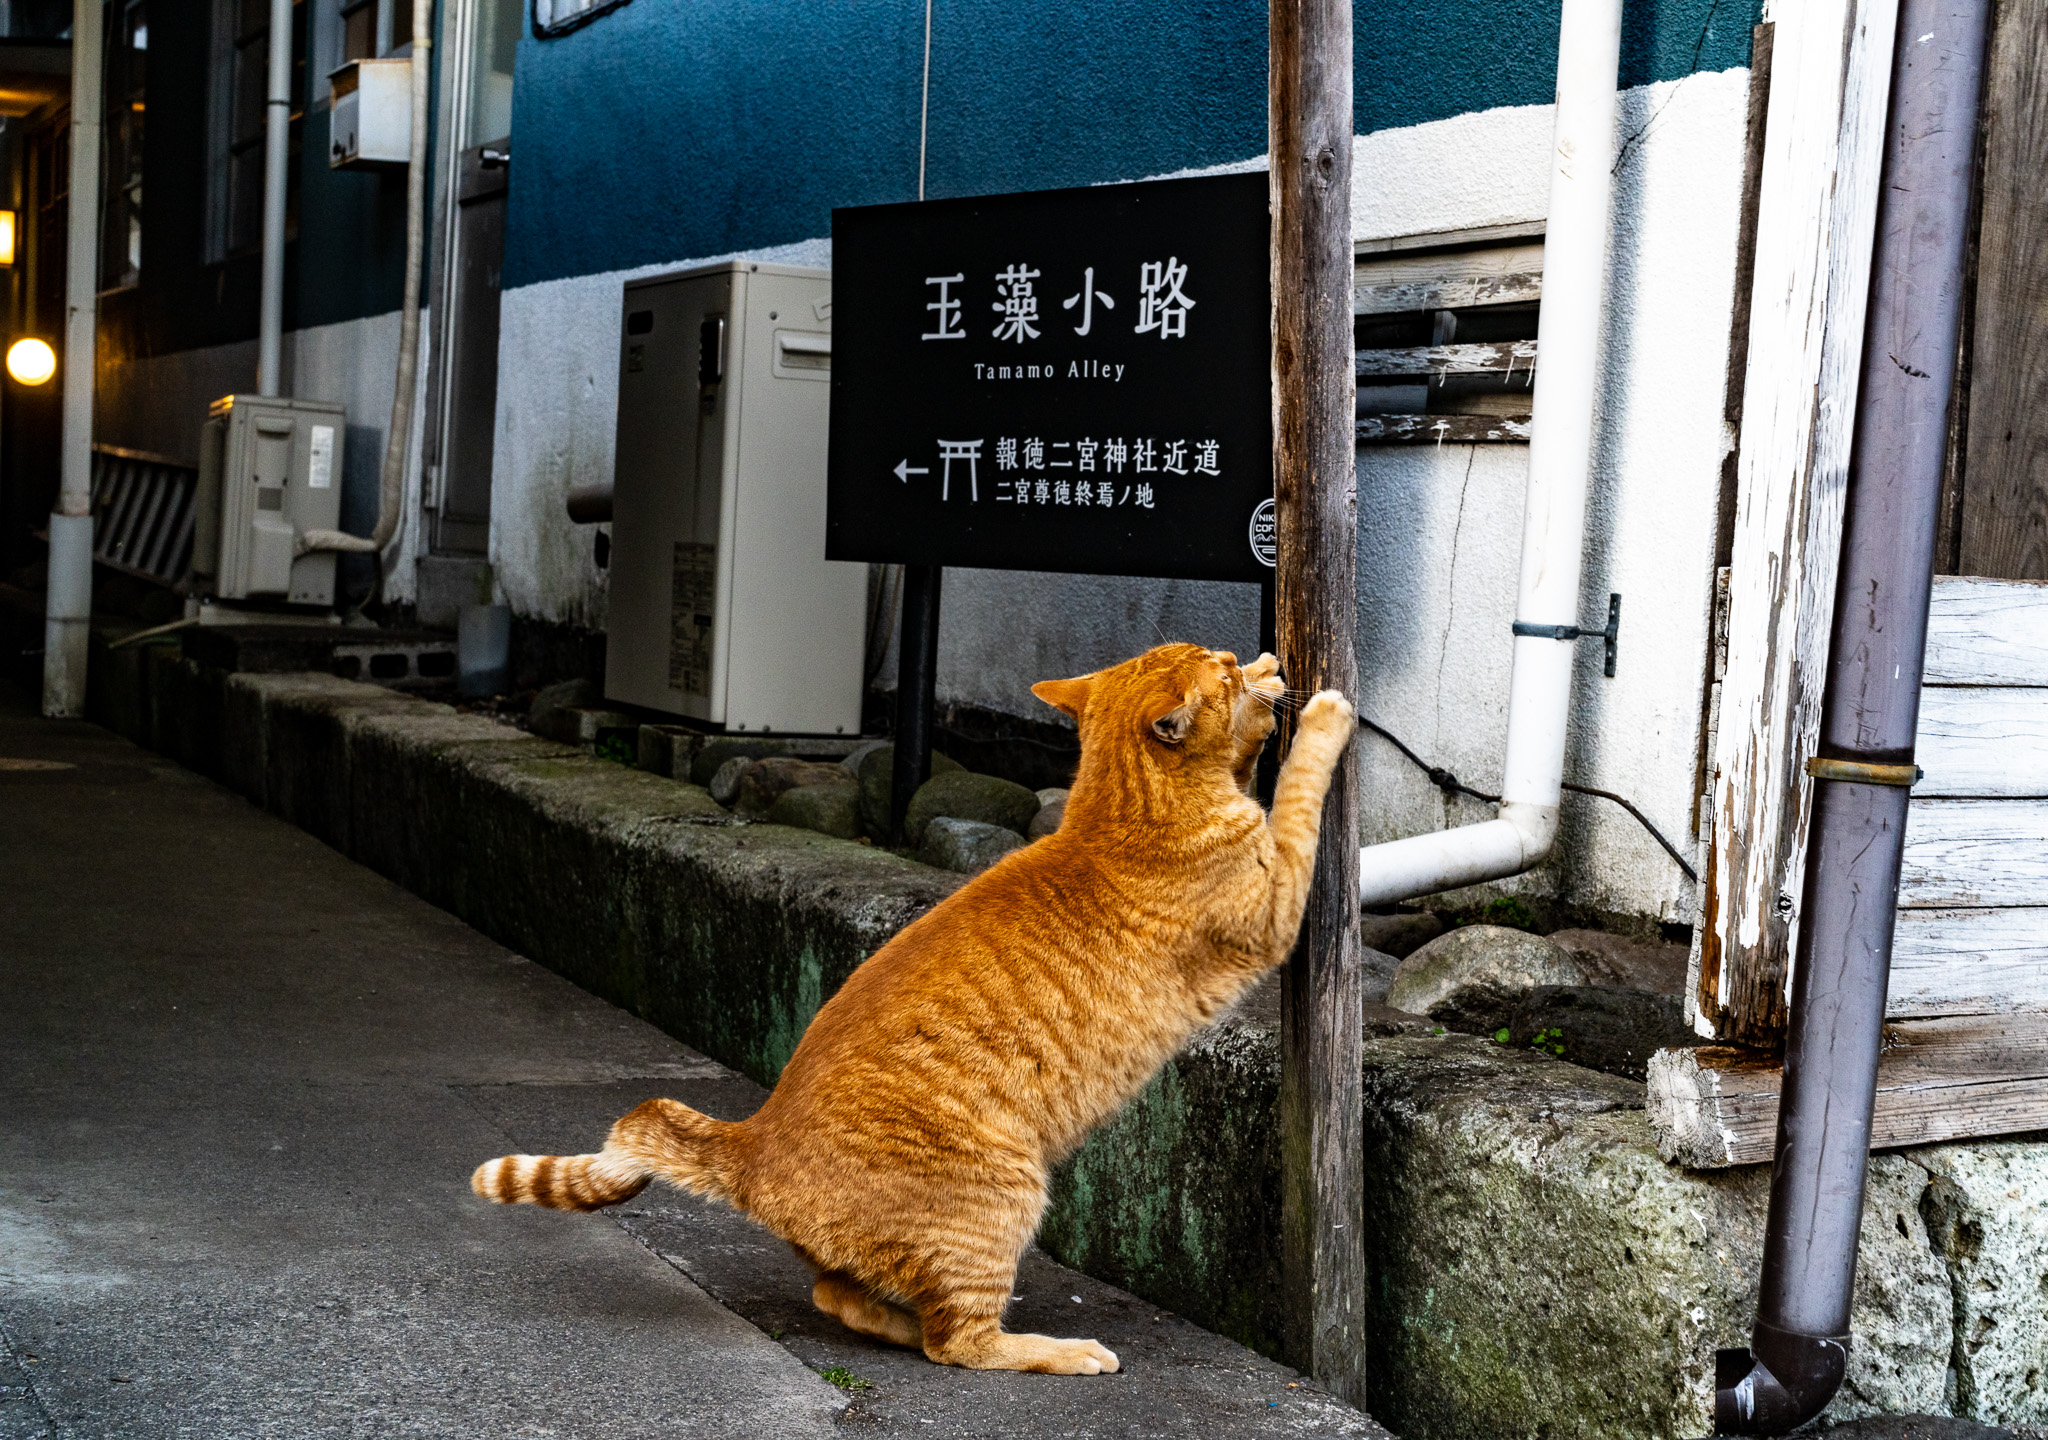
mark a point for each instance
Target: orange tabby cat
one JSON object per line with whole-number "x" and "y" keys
{"x": 905, "y": 1150}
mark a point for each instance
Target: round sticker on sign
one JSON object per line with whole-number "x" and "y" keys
{"x": 1265, "y": 545}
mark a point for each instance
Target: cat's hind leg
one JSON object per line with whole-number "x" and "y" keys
{"x": 963, "y": 1325}
{"x": 849, "y": 1302}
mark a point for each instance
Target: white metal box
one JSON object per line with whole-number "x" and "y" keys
{"x": 269, "y": 470}
{"x": 369, "y": 117}
{"x": 724, "y": 608}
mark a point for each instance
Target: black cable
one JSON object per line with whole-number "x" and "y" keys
{"x": 965, "y": 738}
{"x": 1446, "y": 781}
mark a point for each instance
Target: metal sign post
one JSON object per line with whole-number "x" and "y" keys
{"x": 1321, "y": 1104}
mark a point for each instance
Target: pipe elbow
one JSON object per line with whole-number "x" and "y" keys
{"x": 1780, "y": 1384}
{"x": 1535, "y": 826}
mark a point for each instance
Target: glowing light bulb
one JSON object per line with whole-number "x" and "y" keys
{"x": 31, "y": 361}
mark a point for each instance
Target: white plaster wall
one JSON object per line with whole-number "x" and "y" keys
{"x": 159, "y": 404}
{"x": 558, "y": 410}
{"x": 1439, "y": 529}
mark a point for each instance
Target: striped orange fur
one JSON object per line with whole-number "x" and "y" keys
{"x": 905, "y": 1150}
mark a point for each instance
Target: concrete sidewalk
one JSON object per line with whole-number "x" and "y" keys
{"x": 242, "y": 1084}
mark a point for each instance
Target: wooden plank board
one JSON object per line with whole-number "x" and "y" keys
{"x": 1975, "y": 853}
{"x": 1443, "y": 429}
{"x": 2005, "y": 464}
{"x": 1936, "y": 1080}
{"x": 1507, "y": 358}
{"x": 1969, "y": 961}
{"x": 1447, "y": 294}
{"x": 1987, "y": 632}
{"x": 1983, "y": 740}
{"x": 1477, "y": 247}
{"x": 1816, "y": 217}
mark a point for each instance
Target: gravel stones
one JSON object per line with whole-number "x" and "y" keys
{"x": 1616, "y": 961}
{"x": 764, "y": 782}
{"x": 1399, "y": 935}
{"x": 724, "y": 783}
{"x": 1600, "y": 1027}
{"x": 1052, "y": 809}
{"x": 831, "y": 809}
{"x": 1477, "y": 966}
{"x": 961, "y": 795}
{"x": 876, "y": 782}
{"x": 1376, "y": 974}
{"x": 968, "y": 846}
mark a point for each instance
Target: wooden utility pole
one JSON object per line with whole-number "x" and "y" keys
{"x": 1314, "y": 487}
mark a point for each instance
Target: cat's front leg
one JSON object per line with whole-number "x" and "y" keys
{"x": 1321, "y": 737}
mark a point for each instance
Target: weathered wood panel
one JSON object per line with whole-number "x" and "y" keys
{"x": 1413, "y": 259}
{"x": 1983, "y": 740}
{"x": 1969, "y": 962}
{"x": 1443, "y": 429}
{"x": 1975, "y": 852}
{"x": 1939, "y": 1079}
{"x": 1507, "y": 358}
{"x": 1987, "y": 632}
{"x": 1447, "y": 294}
{"x": 1815, "y": 223}
{"x": 2004, "y": 521}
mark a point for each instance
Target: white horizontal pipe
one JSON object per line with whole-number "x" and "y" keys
{"x": 1560, "y": 466}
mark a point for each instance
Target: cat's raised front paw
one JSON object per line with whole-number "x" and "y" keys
{"x": 1328, "y": 711}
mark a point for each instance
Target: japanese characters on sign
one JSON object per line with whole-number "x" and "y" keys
{"x": 1072, "y": 380}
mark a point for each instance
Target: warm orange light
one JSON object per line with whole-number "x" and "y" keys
{"x": 6, "y": 237}
{"x": 31, "y": 362}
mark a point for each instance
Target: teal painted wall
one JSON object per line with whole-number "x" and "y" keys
{"x": 677, "y": 128}
{"x": 668, "y": 129}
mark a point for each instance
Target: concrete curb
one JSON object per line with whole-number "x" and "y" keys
{"x": 1537, "y": 1269}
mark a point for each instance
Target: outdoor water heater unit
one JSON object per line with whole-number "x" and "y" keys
{"x": 724, "y": 608}
{"x": 269, "y": 470}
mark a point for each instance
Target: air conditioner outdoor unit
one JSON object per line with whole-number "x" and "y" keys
{"x": 269, "y": 470}
{"x": 723, "y": 606}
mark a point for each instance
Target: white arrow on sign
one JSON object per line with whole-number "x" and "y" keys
{"x": 904, "y": 470}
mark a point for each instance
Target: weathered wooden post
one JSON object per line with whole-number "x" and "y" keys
{"x": 1309, "y": 118}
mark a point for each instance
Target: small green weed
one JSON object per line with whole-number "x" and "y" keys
{"x": 1550, "y": 1041}
{"x": 1500, "y": 1036}
{"x": 617, "y": 749}
{"x": 846, "y": 1380}
{"x": 1508, "y": 912}
{"x": 777, "y": 1334}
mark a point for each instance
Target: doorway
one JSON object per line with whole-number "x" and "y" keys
{"x": 472, "y": 260}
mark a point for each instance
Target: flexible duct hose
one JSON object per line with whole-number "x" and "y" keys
{"x": 398, "y": 438}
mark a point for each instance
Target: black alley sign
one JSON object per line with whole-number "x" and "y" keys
{"x": 1072, "y": 380}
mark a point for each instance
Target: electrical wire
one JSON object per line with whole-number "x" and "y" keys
{"x": 1444, "y": 780}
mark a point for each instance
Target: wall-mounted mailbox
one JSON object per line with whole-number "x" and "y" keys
{"x": 370, "y": 119}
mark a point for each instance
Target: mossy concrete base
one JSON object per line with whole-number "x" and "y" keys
{"x": 1536, "y": 1269}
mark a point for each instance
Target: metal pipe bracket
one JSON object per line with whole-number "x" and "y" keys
{"x": 1612, "y": 634}
{"x": 1858, "y": 772}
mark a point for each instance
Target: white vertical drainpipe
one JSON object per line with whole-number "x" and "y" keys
{"x": 398, "y": 437}
{"x": 68, "y": 604}
{"x": 277, "y": 126}
{"x": 1560, "y": 464}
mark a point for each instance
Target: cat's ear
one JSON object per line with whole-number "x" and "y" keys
{"x": 1173, "y": 726}
{"x": 1068, "y": 695}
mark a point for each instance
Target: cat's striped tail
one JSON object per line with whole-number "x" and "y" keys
{"x": 661, "y": 1138}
